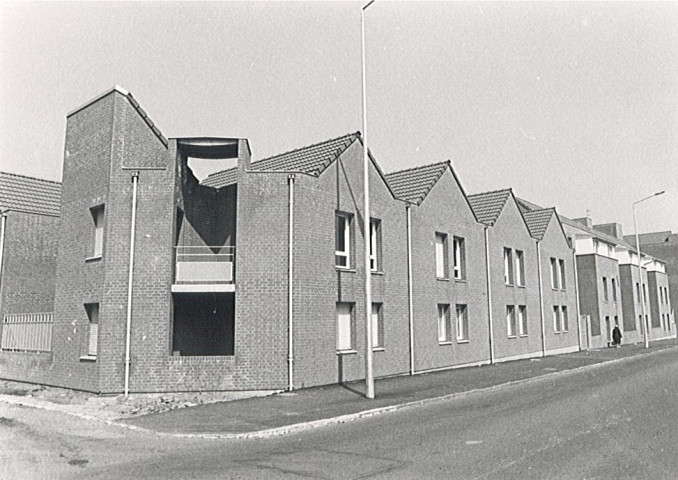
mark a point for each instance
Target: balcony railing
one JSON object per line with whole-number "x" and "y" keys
{"x": 27, "y": 332}
{"x": 204, "y": 265}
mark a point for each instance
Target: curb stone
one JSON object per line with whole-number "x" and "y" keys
{"x": 346, "y": 418}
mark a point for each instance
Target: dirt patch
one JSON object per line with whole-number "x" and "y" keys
{"x": 6, "y": 422}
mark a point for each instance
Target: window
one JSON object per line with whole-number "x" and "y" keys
{"x": 614, "y": 290}
{"x": 93, "y": 340}
{"x": 462, "y": 324}
{"x": 345, "y": 327}
{"x": 522, "y": 320}
{"x": 520, "y": 269}
{"x": 644, "y": 293}
{"x": 554, "y": 273}
{"x": 637, "y": 292}
{"x": 459, "y": 258}
{"x": 556, "y": 319}
{"x": 511, "y": 320}
{"x": 98, "y": 217}
{"x": 441, "y": 255}
{"x": 565, "y": 321}
{"x": 605, "y": 297}
{"x": 508, "y": 266}
{"x": 375, "y": 244}
{"x": 342, "y": 254}
{"x": 377, "y": 326}
{"x": 443, "y": 323}
{"x": 562, "y": 273}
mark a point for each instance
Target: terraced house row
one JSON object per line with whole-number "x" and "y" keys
{"x": 132, "y": 275}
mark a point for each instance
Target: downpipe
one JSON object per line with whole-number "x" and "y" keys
{"x": 128, "y": 329}
{"x": 290, "y": 291}
{"x": 489, "y": 294}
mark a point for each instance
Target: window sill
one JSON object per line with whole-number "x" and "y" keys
{"x": 444, "y": 343}
{"x": 512, "y": 337}
{"x": 460, "y": 280}
{"x": 377, "y": 272}
{"x": 345, "y": 269}
{"x": 521, "y": 286}
{"x": 524, "y": 335}
{"x": 378, "y": 349}
{"x": 508, "y": 284}
{"x": 88, "y": 358}
{"x": 443, "y": 279}
{"x": 347, "y": 352}
{"x": 466, "y": 340}
{"x": 93, "y": 259}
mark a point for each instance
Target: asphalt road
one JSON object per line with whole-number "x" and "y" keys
{"x": 619, "y": 421}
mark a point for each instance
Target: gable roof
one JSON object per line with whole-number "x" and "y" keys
{"x": 538, "y": 221}
{"x": 312, "y": 160}
{"x": 413, "y": 184}
{"x": 30, "y": 195}
{"x": 489, "y": 205}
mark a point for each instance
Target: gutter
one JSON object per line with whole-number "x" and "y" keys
{"x": 410, "y": 308}
{"x": 290, "y": 280}
{"x": 128, "y": 329}
{"x": 541, "y": 301}
{"x": 489, "y": 294}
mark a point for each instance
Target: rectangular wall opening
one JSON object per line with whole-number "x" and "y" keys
{"x": 204, "y": 324}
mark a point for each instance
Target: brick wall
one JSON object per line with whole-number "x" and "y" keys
{"x": 554, "y": 245}
{"x": 510, "y": 231}
{"x": 632, "y": 309}
{"x": 660, "y": 313}
{"x": 319, "y": 285}
{"x": 445, "y": 210}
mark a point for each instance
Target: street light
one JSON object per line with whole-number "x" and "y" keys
{"x": 641, "y": 294}
{"x": 369, "y": 371}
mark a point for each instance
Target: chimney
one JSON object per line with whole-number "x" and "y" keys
{"x": 586, "y": 221}
{"x": 613, "y": 229}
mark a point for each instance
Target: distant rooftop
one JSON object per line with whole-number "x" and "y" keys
{"x": 28, "y": 194}
{"x": 312, "y": 159}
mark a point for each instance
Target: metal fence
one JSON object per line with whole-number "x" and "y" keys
{"x": 205, "y": 264}
{"x": 27, "y": 332}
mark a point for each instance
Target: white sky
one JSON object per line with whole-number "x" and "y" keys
{"x": 572, "y": 105}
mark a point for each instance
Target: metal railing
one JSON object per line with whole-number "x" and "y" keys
{"x": 27, "y": 332}
{"x": 205, "y": 264}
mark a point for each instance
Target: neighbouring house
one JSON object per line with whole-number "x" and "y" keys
{"x": 29, "y": 222}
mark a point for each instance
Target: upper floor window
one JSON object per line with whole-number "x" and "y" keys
{"x": 441, "y": 256}
{"x": 614, "y": 290}
{"x": 561, "y": 270}
{"x": 342, "y": 254}
{"x": 98, "y": 217}
{"x": 554, "y": 273}
{"x": 637, "y": 292}
{"x": 375, "y": 244}
{"x": 459, "y": 258}
{"x": 605, "y": 294}
{"x": 508, "y": 266}
{"x": 520, "y": 269}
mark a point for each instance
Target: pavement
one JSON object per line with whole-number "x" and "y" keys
{"x": 304, "y": 409}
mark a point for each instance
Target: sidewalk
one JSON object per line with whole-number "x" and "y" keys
{"x": 313, "y": 407}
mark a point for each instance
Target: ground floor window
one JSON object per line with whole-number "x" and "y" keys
{"x": 443, "y": 323}
{"x": 93, "y": 337}
{"x": 377, "y": 326}
{"x": 462, "y": 324}
{"x": 203, "y": 324}
{"x": 345, "y": 327}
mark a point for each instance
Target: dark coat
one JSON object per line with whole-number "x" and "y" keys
{"x": 616, "y": 335}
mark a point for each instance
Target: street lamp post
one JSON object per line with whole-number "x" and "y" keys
{"x": 369, "y": 371}
{"x": 641, "y": 293}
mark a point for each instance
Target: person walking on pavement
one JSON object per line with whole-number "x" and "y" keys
{"x": 616, "y": 336}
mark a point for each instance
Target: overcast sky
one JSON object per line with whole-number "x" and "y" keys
{"x": 574, "y": 105}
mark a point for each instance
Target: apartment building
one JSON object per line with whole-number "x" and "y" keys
{"x": 253, "y": 278}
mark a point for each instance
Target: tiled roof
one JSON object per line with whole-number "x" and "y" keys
{"x": 538, "y": 221}
{"x": 487, "y": 206}
{"x": 596, "y": 233}
{"x": 312, "y": 159}
{"x": 222, "y": 179}
{"x": 28, "y": 194}
{"x": 413, "y": 184}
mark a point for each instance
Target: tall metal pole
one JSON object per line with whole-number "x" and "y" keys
{"x": 641, "y": 294}
{"x": 369, "y": 372}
